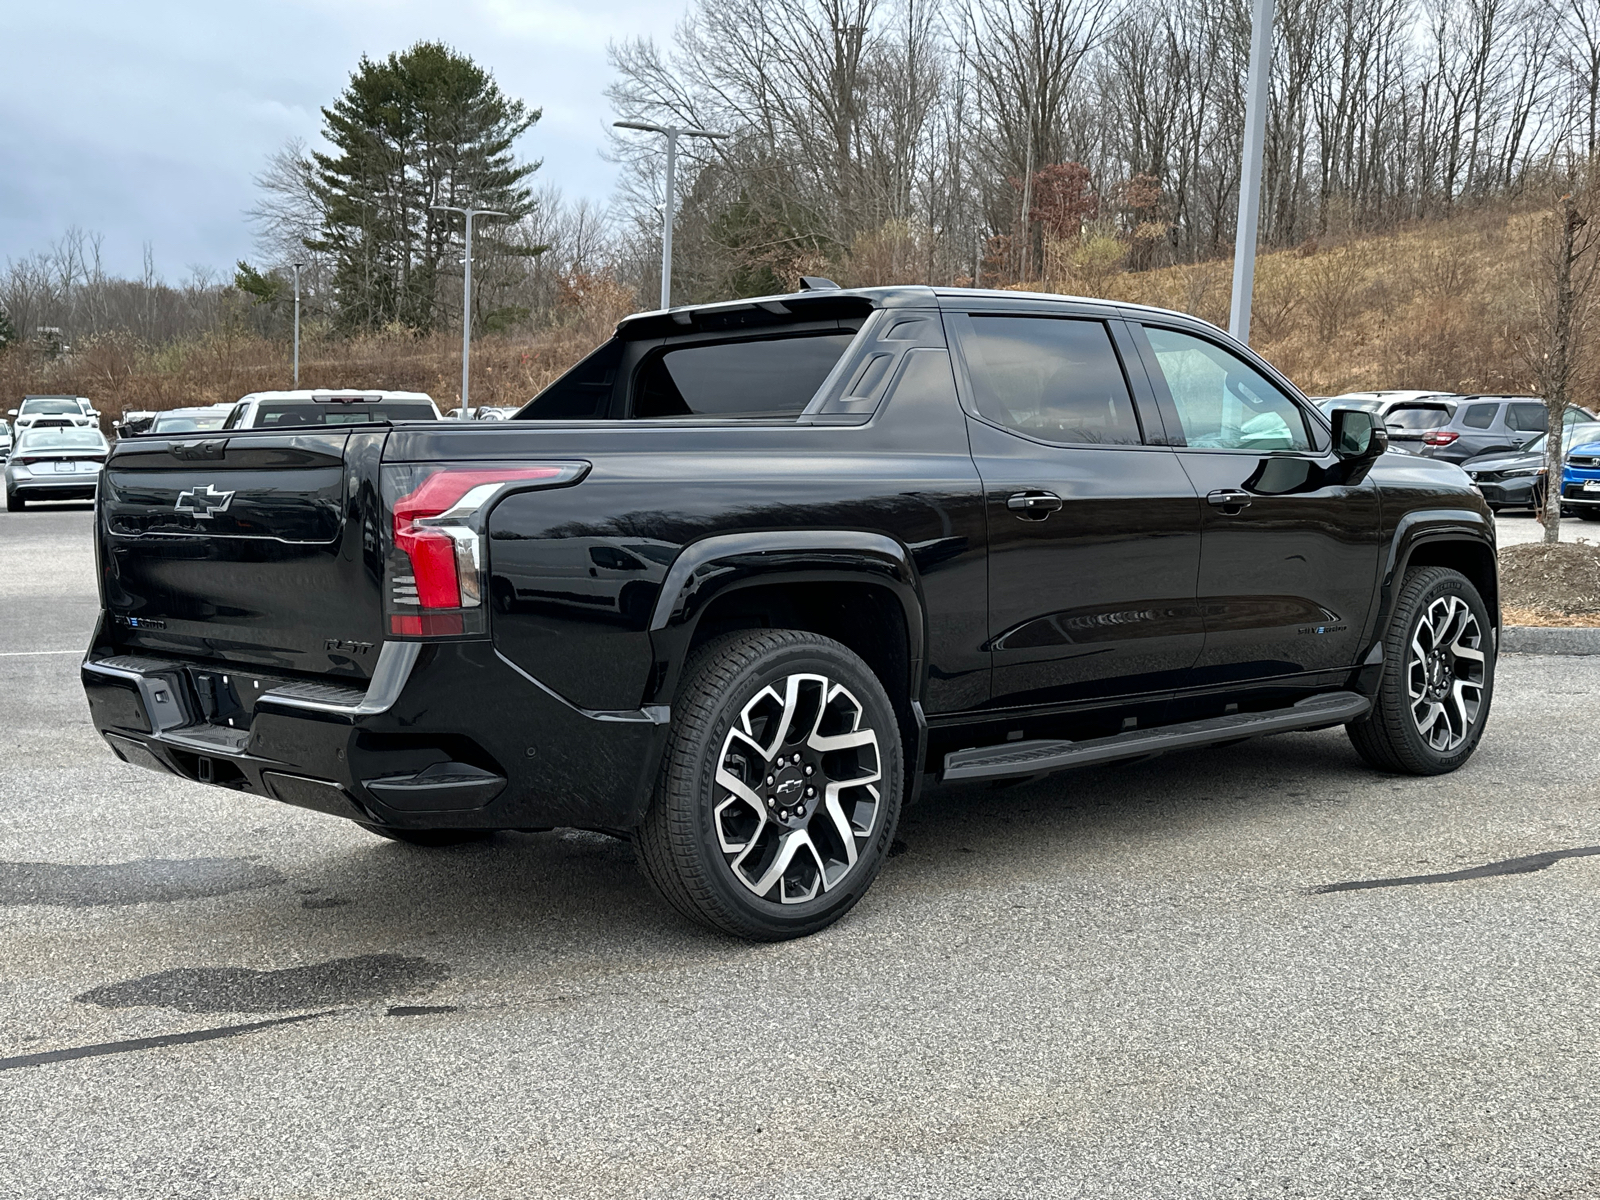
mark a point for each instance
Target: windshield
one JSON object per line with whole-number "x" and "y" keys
{"x": 182, "y": 422}
{"x": 1416, "y": 419}
{"x": 51, "y": 406}
{"x": 61, "y": 439}
{"x": 283, "y": 414}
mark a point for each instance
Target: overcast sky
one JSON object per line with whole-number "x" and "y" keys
{"x": 145, "y": 120}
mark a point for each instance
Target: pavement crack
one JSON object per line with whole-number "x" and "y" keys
{"x": 1525, "y": 865}
{"x": 149, "y": 1043}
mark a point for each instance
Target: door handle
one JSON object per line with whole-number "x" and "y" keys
{"x": 1229, "y": 498}
{"x": 1034, "y": 506}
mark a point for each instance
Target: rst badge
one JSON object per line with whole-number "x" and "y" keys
{"x": 205, "y": 502}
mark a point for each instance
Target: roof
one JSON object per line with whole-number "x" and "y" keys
{"x": 309, "y": 395}
{"x": 826, "y": 303}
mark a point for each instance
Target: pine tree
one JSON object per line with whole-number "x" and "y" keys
{"x": 425, "y": 127}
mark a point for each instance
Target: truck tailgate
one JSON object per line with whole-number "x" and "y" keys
{"x": 260, "y": 549}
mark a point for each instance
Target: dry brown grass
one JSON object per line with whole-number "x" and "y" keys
{"x": 119, "y": 374}
{"x": 1438, "y": 304}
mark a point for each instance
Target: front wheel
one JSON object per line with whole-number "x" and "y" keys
{"x": 780, "y": 789}
{"x": 1438, "y": 678}
{"x": 1589, "y": 514}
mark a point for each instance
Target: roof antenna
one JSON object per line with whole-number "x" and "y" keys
{"x": 816, "y": 283}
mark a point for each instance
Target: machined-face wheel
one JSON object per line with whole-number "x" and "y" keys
{"x": 781, "y": 786}
{"x": 797, "y": 777}
{"x": 1445, "y": 672}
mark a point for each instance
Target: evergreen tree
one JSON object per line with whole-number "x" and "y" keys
{"x": 8, "y": 332}
{"x": 425, "y": 127}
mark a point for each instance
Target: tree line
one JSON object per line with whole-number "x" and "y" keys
{"x": 961, "y": 140}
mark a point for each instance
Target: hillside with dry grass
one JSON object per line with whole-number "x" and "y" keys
{"x": 1441, "y": 304}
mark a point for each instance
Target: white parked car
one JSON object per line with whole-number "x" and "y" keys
{"x": 5, "y": 439}
{"x": 54, "y": 463}
{"x": 289, "y": 410}
{"x": 59, "y": 411}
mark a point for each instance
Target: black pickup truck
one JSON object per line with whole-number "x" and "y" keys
{"x": 751, "y": 573}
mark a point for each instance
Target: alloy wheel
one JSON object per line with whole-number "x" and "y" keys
{"x": 797, "y": 779}
{"x": 1445, "y": 673}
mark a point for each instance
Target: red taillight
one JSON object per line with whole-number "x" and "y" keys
{"x": 1439, "y": 437}
{"x": 435, "y": 577}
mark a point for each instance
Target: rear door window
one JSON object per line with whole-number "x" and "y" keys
{"x": 1527, "y": 418}
{"x": 767, "y": 378}
{"x": 1052, "y": 378}
{"x": 1479, "y": 416}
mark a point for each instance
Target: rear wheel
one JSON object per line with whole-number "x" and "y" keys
{"x": 429, "y": 837}
{"x": 14, "y": 502}
{"x": 780, "y": 790}
{"x": 1438, "y": 678}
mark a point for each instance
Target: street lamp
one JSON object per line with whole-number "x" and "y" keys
{"x": 1255, "y": 128}
{"x": 466, "y": 296}
{"x": 673, "y": 134}
{"x": 297, "y": 267}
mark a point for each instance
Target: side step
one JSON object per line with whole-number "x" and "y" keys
{"x": 1015, "y": 759}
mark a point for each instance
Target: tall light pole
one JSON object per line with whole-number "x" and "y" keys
{"x": 673, "y": 134}
{"x": 297, "y": 267}
{"x": 1255, "y": 129}
{"x": 466, "y": 299}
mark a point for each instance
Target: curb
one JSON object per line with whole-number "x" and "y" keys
{"x": 1549, "y": 639}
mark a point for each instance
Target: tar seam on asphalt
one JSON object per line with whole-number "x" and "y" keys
{"x": 86, "y": 885}
{"x": 1511, "y": 866}
{"x": 420, "y": 1010}
{"x": 149, "y": 1043}
{"x": 242, "y": 989}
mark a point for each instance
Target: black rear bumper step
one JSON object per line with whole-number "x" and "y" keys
{"x": 1019, "y": 759}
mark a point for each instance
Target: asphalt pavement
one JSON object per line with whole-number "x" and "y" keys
{"x": 1115, "y": 983}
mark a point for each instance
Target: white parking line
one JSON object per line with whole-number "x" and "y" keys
{"x": 34, "y": 653}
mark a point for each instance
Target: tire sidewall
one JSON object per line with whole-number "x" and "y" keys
{"x": 1449, "y": 583}
{"x": 829, "y": 659}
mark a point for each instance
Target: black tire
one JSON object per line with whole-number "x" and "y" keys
{"x": 1589, "y": 514}
{"x": 15, "y": 503}
{"x": 1391, "y": 737}
{"x": 693, "y": 818}
{"x": 429, "y": 837}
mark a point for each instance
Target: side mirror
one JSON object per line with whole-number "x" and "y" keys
{"x": 1358, "y": 436}
{"x": 11, "y": 412}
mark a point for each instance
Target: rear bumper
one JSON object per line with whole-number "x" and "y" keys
{"x": 446, "y": 735}
{"x": 42, "y": 487}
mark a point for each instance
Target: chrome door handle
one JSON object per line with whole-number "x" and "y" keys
{"x": 1034, "y": 506}
{"x": 1229, "y": 498}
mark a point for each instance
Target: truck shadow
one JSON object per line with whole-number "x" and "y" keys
{"x": 568, "y": 901}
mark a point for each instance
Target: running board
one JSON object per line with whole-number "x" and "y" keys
{"x": 1016, "y": 759}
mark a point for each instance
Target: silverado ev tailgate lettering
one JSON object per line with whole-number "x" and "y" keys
{"x": 256, "y": 553}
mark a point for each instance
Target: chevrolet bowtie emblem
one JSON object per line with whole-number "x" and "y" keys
{"x": 204, "y": 502}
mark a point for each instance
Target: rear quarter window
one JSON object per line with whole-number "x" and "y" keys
{"x": 1479, "y": 416}
{"x": 767, "y": 378}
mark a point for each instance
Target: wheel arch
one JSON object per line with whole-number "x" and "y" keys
{"x": 860, "y": 589}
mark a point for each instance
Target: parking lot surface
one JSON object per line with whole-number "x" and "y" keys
{"x": 1115, "y": 983}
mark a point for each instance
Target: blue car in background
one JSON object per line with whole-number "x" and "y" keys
{"x": 1580, "y": 477}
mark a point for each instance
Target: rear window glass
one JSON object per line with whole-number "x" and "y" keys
{"x": 1479, "y": 416}
{"x": 187, "y": 422}
{"x": 1418, "y": 418}
{"x": 1527, "y": 418}
{"x": 280, "y": 416}
{"x": 61, "y": 439}
{"x": 771, "y": 378}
